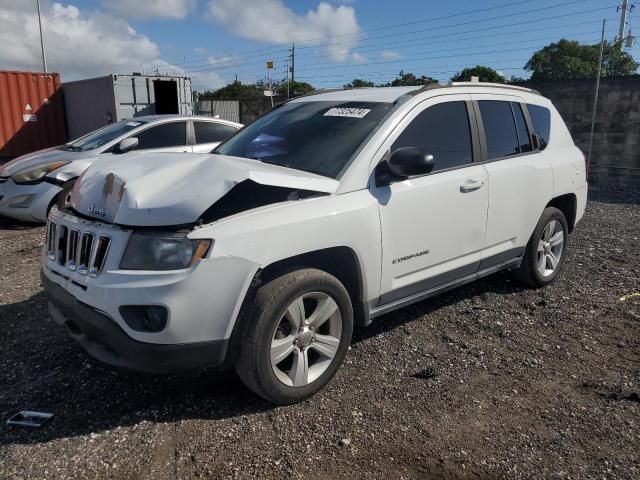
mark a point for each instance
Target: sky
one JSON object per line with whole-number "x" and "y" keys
{"x": 213, "y": 41}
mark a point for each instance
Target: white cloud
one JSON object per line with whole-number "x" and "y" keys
{"x": 171, "y": 9}
{"x": 358, "y": 58}
{"x": 271, "y": 21}
{"x": 221, "y": 61}
{"x": 389, "y": 54}
{"x": 200, "y": 51}
{"x": 79, "y": 44}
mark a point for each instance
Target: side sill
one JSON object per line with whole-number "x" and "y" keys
{"x": 403, "y": 302}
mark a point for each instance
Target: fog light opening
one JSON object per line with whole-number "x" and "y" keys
{"x": 145, "y": 318}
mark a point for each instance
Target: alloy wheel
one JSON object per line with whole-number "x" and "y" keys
{"x": 550, "y": 248}
{"x": 306, "y": 339}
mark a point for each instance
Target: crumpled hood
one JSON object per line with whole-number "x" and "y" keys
{"x": 163, "y": 189}
{"x": 40, "y": 157}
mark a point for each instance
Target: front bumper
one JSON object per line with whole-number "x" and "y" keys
{"x": 106, "y": 341}
{"x": 28, "y": 203}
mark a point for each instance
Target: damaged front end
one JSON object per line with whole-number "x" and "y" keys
{"x": 170, "y": 190}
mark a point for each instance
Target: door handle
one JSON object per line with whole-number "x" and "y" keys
{"x": 471, "y": 185}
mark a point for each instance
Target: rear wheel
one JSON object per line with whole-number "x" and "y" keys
{"x": 545, "y": 252}
{"x": 297, "y": 335}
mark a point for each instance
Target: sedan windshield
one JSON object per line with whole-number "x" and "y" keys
{"x": 313, "y": 136}
{"x": 102, "y": 136}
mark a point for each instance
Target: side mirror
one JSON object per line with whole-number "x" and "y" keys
{"x": 410, "y": 161}
{"x": 127, "y": 144}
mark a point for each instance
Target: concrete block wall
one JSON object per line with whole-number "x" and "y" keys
{"x": 616, "y": 147}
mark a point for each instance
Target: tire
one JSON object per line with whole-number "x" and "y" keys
{"x": 538, "y": 267}
{"x": 62, "y": 199}
{"x": 263, "y": 363}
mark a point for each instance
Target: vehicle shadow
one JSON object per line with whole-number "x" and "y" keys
{"x": 499, "y": 283}
{"x": 41, "y": 368}
{"x": 7, "y": 223}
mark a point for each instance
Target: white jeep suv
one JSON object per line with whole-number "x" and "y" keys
{"x": 328, "y": 212}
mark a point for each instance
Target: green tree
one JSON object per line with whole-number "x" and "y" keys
{"x": 514, "y": 79}
{"x": 567, "y": 59}
{"x": 409, "y": 80}
{"x": 235, "y": 89}
{"x": 486, "y": 74}
{"x": 359, "y": 83}
{"x": 295, "y": 88}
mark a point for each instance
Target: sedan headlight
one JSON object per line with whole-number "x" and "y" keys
{"x": 162, "y": 251}
{"x": 37, "y": 173}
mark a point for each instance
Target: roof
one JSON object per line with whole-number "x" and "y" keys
{"x": 391, "y": 94}
{"x": 154, "y": 118}
{"x": 369, "y": 94}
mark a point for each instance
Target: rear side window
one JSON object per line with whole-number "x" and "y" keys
{"x": 499, "y": 129}
{"x": 523, "y": 131}
{"x": 442, "y": 131}
{"x": 210, "y": 132}
{"x": 541, "y": 119}
{"x": 163, "y": 136}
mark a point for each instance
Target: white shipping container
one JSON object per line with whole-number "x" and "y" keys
{"x": 96, "y": 102}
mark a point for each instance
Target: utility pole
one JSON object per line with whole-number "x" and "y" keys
{"x": 624, "y": 9}
{"x": 44, "y": 58}
{"x": 595, "y": 99}
{"x": 288, "y": 59}
{"x": 293, "y": 62}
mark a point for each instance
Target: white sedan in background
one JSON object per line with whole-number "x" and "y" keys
{"x": 31, "y": 184}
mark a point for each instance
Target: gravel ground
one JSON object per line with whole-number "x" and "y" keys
{"x": 488, "y": 381}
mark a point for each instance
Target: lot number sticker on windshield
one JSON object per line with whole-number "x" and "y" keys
{"x": 133, "y": 124}
{"x": 347, "y": 112}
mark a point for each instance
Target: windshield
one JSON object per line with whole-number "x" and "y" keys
{"x": 102, "y": 136}
{"x": 314, "y": 136}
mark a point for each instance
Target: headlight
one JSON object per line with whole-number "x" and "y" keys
{"x": 37, "y": 173}
{"x": 162, "y": 251}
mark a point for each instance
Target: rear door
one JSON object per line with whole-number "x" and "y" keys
{"x": 520, "y": 176}
{"x": 165, "y": 137}
{"x": 433, "y": 226}
{"x": 208, "y": 135}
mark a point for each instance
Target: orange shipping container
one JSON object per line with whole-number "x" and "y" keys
{"x": 31, "y": 113}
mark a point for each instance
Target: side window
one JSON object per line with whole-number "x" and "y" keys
{"x": 442, "y": 131}
{"x": 523, "y": 132}
{"x": 172, "y": 134}
{"x": 541, "y": 119}
{"x": 499, "y": 128}
{"x": 210, "y": 132}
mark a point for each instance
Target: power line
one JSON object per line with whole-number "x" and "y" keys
{"x": 448, "y": 34}
{"x": 417, "y": 31}
{"x": 496, "y": 7}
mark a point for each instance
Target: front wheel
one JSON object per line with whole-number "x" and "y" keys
{"x": 545, "y": 252}
{"x": 297, "y": 336}
{"x": 63, "y": 199}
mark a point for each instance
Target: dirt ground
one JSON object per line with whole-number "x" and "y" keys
{"x": 488, "y": 381}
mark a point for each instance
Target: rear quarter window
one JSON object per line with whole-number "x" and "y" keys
{"x": 541, "y": 119}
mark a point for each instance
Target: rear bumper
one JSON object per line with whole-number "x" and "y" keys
{"x": 106, "y": 341}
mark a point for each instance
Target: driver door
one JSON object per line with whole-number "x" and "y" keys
{"x": 433, "y": 226}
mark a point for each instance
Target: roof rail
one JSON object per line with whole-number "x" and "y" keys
{"x": 494, "y": 85}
